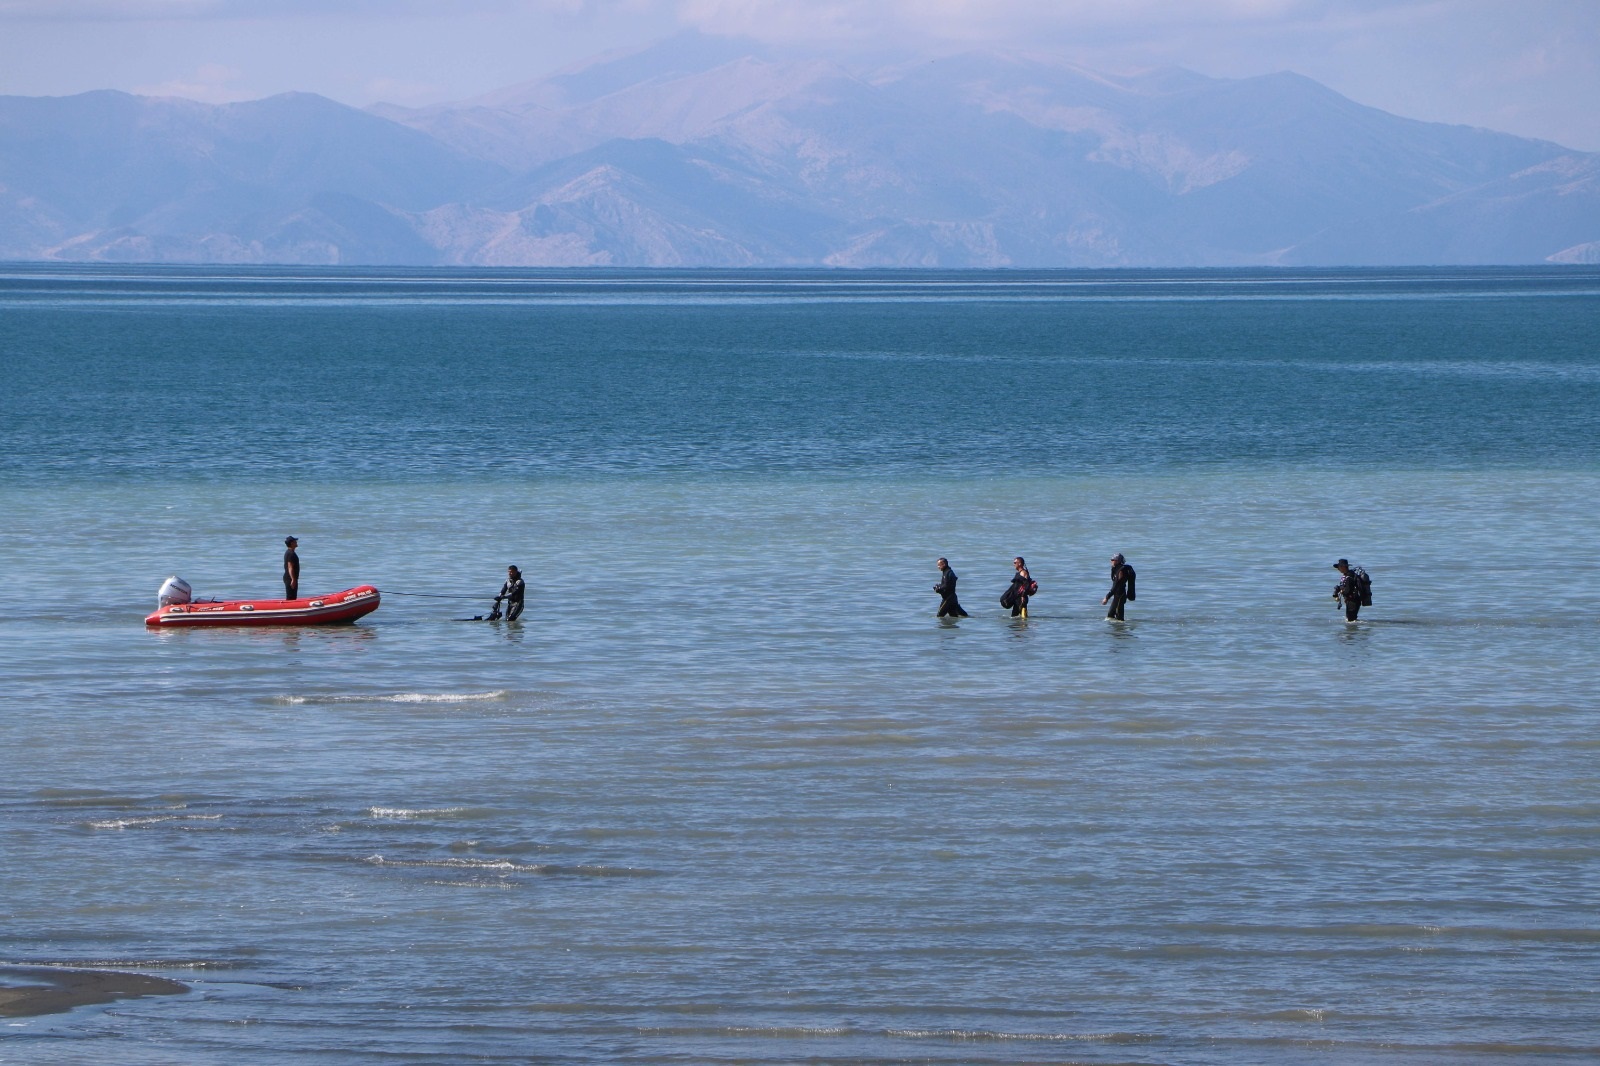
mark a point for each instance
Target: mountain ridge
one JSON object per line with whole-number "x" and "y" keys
{"x": 717, "y": 152}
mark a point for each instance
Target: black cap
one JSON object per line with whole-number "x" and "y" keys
{"x": 291, "y": 540}
{"x": 1341, "y": 562}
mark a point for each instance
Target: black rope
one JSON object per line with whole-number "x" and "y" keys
{"x": 429, "y": 595}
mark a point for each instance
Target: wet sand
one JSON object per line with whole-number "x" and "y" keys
{"x": 27, "y": 991}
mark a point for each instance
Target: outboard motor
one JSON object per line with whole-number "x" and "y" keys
{"x": 174, "y": 590}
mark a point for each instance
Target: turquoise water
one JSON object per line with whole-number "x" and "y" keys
{"x": 730, "y": 792}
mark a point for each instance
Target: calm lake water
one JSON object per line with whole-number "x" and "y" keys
{"x": 729, "y": 792}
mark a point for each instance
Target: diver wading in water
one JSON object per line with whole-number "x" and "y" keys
{"x": 1023, "y": 587}
{"x": 511, "y": 594}
{"x": 1354, "y": 589}
{"x": 1122, "y": 587}
{"x": 949, "y": 606}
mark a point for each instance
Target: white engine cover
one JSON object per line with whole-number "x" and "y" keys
{"x": 174, "y": 590}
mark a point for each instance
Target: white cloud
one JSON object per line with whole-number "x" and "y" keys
{"x": 269, "y": 10}
{"x": 1532, "y": 67}
{"x": 211, "y": 83}
{"x": 404, "y": 91}
{"x": 766, "y": 19}
{"x": 1018, "y": 21}
{"x": 879, "y": 22}
{"x": 89, "y": 10}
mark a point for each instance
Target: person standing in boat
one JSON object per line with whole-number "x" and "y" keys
{"x": 291, "y": 569}
{"x": 1122, "y": 587}
{"x": 949, "y": 606}
{"x": 511, "y": 594}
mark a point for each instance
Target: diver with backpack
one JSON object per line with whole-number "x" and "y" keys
{"x": 1123, "y": 588}
{"x": 1023, "y": 587}
{"x": 1354, "y": 589}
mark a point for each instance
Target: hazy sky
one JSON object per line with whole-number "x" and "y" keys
{"x": 1530, "y": 67}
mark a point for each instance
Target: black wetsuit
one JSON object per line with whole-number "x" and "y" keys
{"x": 1122, "y": 590}
{"x": 291, "y": 575}
{"x": 511, "y": 595}
{"x": 1349, "y": 590}
{"x": 1016, "y": 596}
{"x": 949, "y": 606}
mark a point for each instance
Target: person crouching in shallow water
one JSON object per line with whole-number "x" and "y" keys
{"x": 291, "y": 568}
{"x": 949, "y": 606}
{"x": 1122, "y": 587}
{"x": 1022, "y": 587}
{"x": 510, "y": 595}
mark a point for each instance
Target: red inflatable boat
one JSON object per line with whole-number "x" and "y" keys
{"x": 327, "y": 610}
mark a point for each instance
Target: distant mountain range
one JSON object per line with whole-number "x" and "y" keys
{"x": 713, "y": 152}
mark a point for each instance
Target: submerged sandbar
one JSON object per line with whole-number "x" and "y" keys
{"x": 28, "y": 991}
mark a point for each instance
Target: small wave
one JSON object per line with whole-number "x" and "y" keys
{"x": 1296, "y": 1014}
{"x": 399, "y": 697}
{"x": 790, "y": 1032}
{"x": 415, "y": 812}
{"x": 506, "y": 866}
{"x": 778, "y": 1032}
{"x": 128, "y": 964}
{"x": 69, "y": 798}
{"x": 978, "y": 1035}
{"x": 130, "y": 823}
